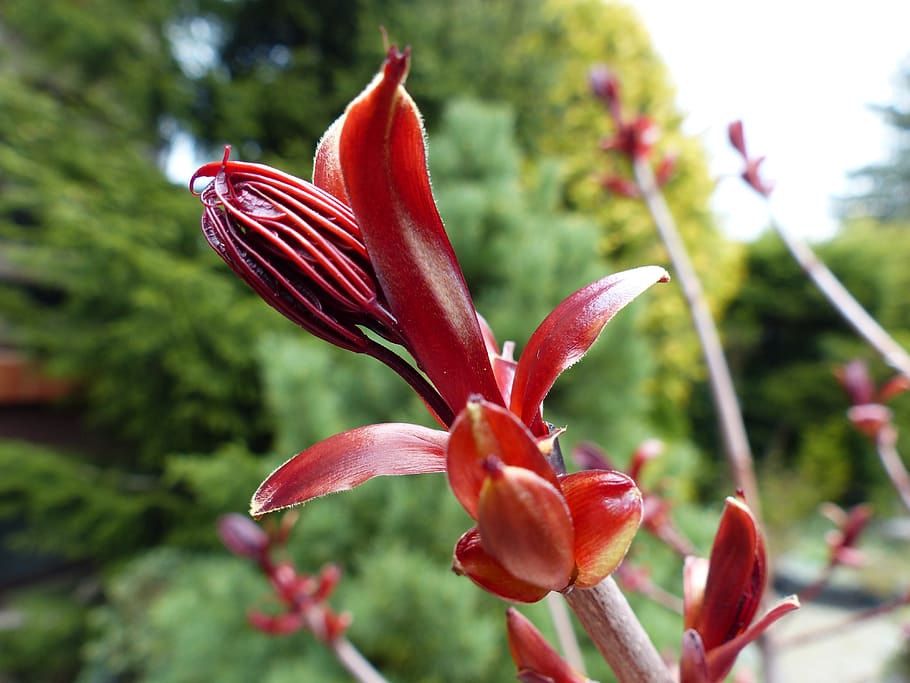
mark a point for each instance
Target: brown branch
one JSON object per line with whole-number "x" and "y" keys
{"x": 891, "y": 461}
{"x": 565, "y": 634}
{"x": 355, "y": 663}
{"x": 732, "y": 428}
{"x": 617, "y": 633}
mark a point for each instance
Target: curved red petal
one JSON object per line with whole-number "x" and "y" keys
{"x": 383, "y": 157}
{"x": 346, "y": 460}
{"x": 525, "y": 524}
{"x": 695, "y": 575}
{"x": 736, "y": 577}
{"x": 473, "y": 561}
{"x": 568, "y": 332}
{"x": 606, "y": 509}
{"x": 483, "y": 430}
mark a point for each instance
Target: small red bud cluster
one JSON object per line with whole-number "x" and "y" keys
{"x": 868, "y": 412}
{"x": 304, "y": 597}
{"x": 633, "y": 138}
{"x": 843, "y": 540}
{"x": 751, "y": 173}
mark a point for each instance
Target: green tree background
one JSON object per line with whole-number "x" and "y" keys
{"x": 192, "y": 390}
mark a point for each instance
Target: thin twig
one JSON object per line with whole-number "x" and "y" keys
{"x": 617, "y": 633}
{"x": 568, "y": 643}
{"x": 355, "y": 663}
{"x": 844, "y": 302}
{"x": 732, "y": 428}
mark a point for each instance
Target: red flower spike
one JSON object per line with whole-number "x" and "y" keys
{"x": 751, "y": 173}
{"x": 482, "y": 430}
{"x": 606, "y": 509}
{"x": 565, "y": 335}
{"x": 535, "y": 658}
{"x": 473, "y": 561}
{"x": 525, "y": 525}
{"x": 382, "y": 156}
{"x": 346, "y": 460}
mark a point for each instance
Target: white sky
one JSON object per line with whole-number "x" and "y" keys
{"x": 800, "y": 74}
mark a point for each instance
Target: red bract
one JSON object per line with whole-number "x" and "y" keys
{"x": 536, "y": 531}
{"x": 363, "y": 246}
{"x": 536, "y": 660}
{"x": 722, "y": 595}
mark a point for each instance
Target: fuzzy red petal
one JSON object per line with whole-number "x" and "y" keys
{"x": 383, "y": 159}
{"x": 346, "y": 460}
{"x": 568, "y": 332}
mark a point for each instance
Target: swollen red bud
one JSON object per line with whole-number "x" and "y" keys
{"x": 242, "y": 536}
{"x": 473, "y": 561}
{"x": 524, "y": 523}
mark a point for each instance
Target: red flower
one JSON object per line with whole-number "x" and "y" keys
{"x": 722, "y": 595}
{"x": 363, "y": 246}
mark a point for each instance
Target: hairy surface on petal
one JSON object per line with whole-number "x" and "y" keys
{"x": 695, "y": 575}
{"x": 383, "y": 158}
{"x": 568, "y": 332}
{"x": 736, "y": 577}
{"x": 482, "y": 430}
{"x": 346, "y": 460}
{"x": 533, "y": 654}
{"x": 473, "y": 561}
{"x": 606, "y": 509}
{"x": 524, "y": 523}
{"x": 327, "y": 163}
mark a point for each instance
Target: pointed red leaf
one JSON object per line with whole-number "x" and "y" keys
{"x": 383, "y": 158}
{"x": 477, "y": 564}
{"x": 736, "y": 577}
{"x": 606, "y": 509}
{"x": 568, "y": 332}
{"x": 346, "y": 460}
{"x": 482, "y": 430}
{"x": 524, "y": 523}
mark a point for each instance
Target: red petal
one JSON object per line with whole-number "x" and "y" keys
{"x": 383, "y": 157}
{"x": 346, "y": 460}
{"x": 483, "y": 430}
{"x": 695, "y": 574}
{"x": 568, "y": 332}
{"x": 477, "y": 564}
{"x": 524, "y": 523}
{"x": 606, "y": 509}
{"x": 534, "y": 655}
{"x": 736, "y": 577}
{"x": 720, "y": 660}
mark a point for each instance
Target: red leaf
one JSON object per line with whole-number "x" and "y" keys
{"x": 383, "y": 159}
{"x": 483, "y": 430}
{"x": 568, "y": 332}
{"x": 534, "y": 656}
{"x": 346, "y": 460}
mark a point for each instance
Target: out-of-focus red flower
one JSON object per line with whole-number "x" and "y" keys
{"x": 868, "y": 412}
{"x": 536, "y": 531}
{"x": 721, "y": 596}
{"x": 535, "y": 658}
{"x": 843, "y": 540}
